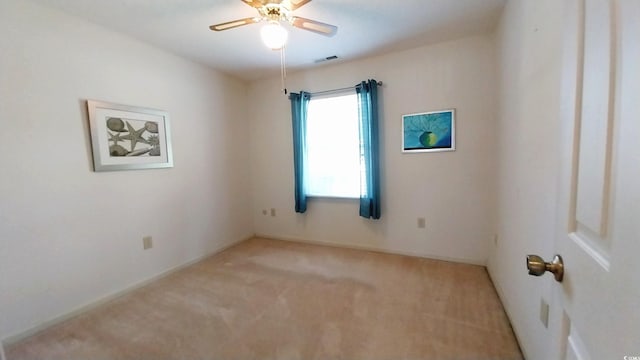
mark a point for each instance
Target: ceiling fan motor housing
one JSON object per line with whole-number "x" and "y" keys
{"x": 275, "y": 12}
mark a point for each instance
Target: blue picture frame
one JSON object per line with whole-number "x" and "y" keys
{"x": 429, "y": 131}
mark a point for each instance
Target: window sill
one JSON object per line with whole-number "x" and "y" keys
{"x": 330, "y": 197}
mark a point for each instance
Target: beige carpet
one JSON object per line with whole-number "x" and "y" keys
{"x": 266, "y": 299}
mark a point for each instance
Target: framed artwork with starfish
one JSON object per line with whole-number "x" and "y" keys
{"x": 128, "y": 137}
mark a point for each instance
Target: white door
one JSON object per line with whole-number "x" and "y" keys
{"x": 596, "y": 309}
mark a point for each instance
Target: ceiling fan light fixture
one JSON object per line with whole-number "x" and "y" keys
{"x": 274, "y": 36}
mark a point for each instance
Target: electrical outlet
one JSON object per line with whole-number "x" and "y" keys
{"x": 544, "y": 313}
{"x": 147, "y": 242}
{"x": 421, "y": 223}
{"x": 273, "y": 212}
{"x": 264, "y": 211}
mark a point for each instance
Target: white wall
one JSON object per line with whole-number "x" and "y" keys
{"x": 529, "y": 63}
{"x": 70, "y": 236}
{"x": 453, "y": 190}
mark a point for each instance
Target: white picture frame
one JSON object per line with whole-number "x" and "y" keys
{"x": 429, "y": 131}
{"x": 127, "y": 137}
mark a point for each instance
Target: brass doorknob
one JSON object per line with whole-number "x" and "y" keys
{"x": 537, "y": 266}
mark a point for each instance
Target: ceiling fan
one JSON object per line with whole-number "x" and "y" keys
{"x": 276, "y": 11}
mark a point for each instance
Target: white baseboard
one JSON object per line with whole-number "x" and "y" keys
{"x": 374, "y": 249}
{"x": 506, "y": 307}
{"x": 2, "y": 356}
{"x": 92, "y": 305}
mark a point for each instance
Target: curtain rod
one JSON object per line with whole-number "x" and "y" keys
{"x": 325, "y": 92}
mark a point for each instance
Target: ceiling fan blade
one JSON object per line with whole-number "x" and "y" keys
{"x": 315, "y": 26}
{"x": 233, "y": 24}
{"x": 253, "y": 3}
{"x": 296, "y": 4}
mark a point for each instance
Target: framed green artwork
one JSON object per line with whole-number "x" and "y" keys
{"x": 429, "y": 131}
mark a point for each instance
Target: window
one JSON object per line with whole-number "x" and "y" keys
{"x": 333, "y": 147}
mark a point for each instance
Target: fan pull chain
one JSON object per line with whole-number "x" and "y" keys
{"x": 283, "y": 70}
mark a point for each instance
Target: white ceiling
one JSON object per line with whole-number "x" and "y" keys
{"x": 365, "y": 28}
